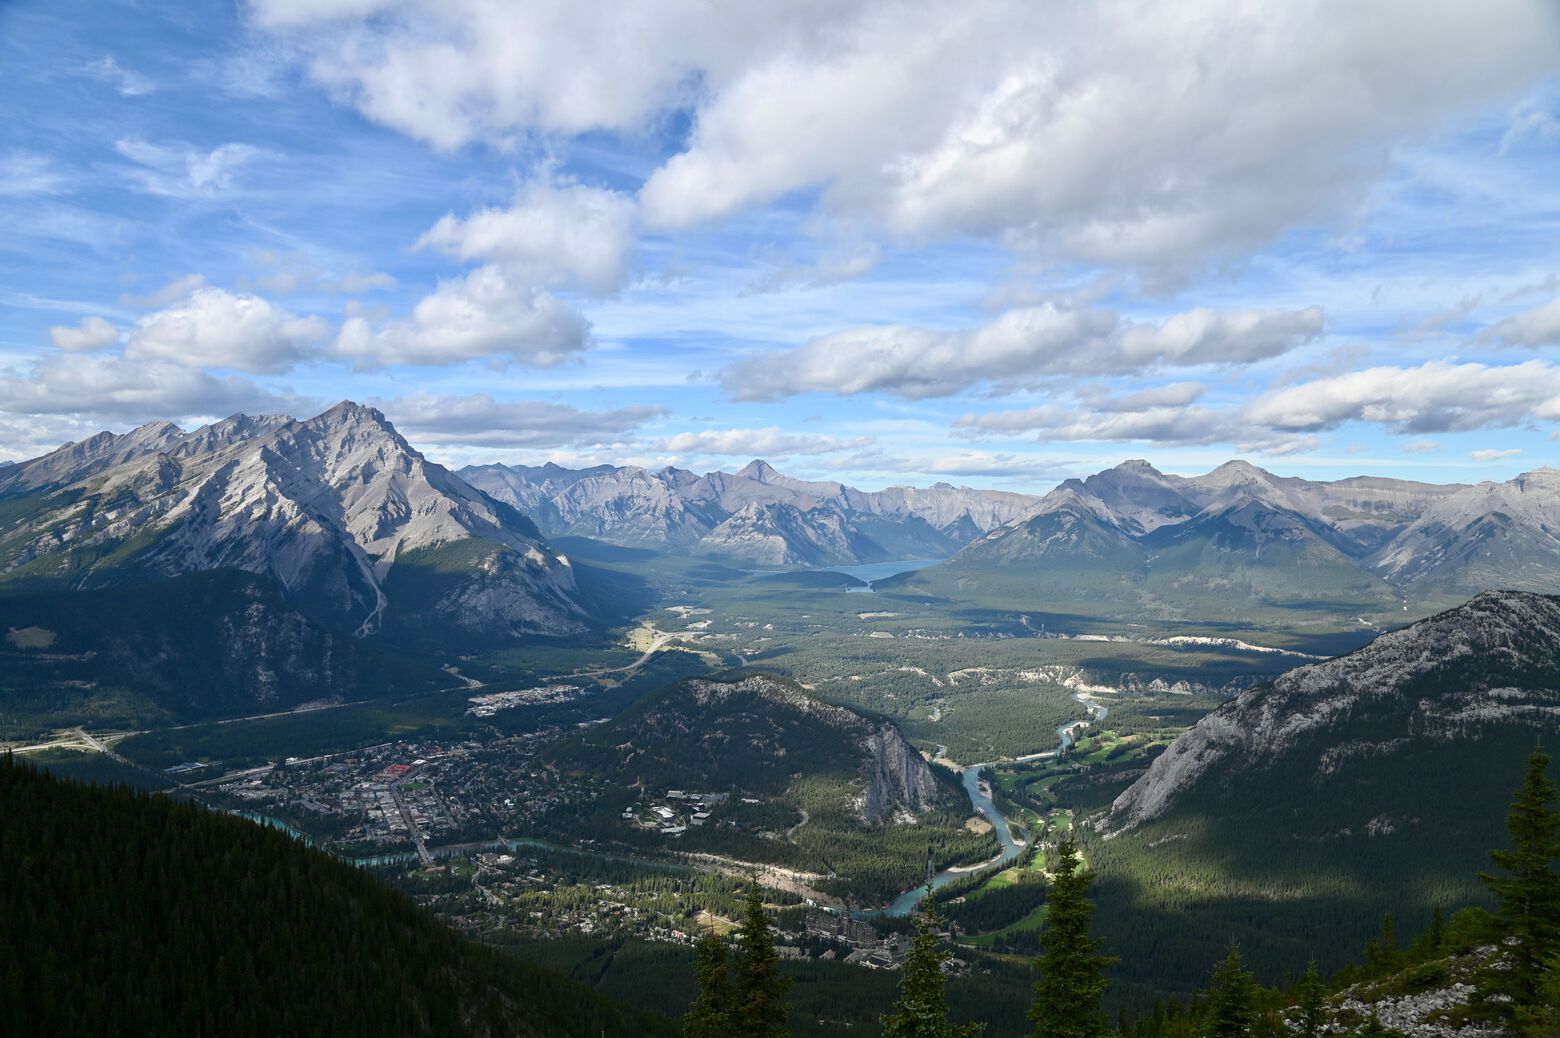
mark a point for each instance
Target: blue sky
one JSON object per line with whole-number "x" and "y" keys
{"x": 994, "y": 243}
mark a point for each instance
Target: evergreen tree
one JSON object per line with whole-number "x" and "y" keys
{"x": 1310, "y": 999}
{"x": 1067, "y": 995}
{"x": 1529, "y": 894}
{"x": 1232, "y": 1002}
{"x": 922, "y": 1009}
{"x": 758, "y": 1007}
{"x": 710, "y": 1014}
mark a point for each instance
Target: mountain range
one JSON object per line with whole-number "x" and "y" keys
{"x": 755, "y": 516}
{"x": 1240, "y": 537}
{"x": 360, "y": 532}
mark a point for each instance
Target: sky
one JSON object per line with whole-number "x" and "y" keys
{"x": 990, "y": 242}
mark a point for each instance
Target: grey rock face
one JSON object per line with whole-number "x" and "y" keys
{"x": 326, "y": 507}
{"x": 1495, "y": 659}
{"x": 899, "y": 781}
{"x": 756, "y": 516}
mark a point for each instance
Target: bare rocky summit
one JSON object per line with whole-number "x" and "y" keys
{"x": 337, "y": 509}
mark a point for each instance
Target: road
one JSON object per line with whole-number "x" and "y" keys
{"x": 655, "y": 647}
{"x": 411, "y": 823}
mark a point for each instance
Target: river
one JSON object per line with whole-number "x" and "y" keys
{"x": 904, "y": 904}
{"x": 980, "y": 800}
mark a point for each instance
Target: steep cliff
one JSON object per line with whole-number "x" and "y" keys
{"x": 900, "y": 783}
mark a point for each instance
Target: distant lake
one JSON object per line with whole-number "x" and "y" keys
{"x": 882, "y": 570}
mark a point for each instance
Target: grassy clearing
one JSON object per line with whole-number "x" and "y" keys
{"x": 1033, "y": 921}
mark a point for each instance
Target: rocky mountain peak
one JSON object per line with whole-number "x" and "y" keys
{"x": 96, "y": 454}
{"x": 758, "y": 470}
{"x": 1544, "y": 479}
{"x": 325, "y": 507}
{"x": 154, "y": 433}
{"x": 350, "y": 415}
{"x": 1235, "y": 472}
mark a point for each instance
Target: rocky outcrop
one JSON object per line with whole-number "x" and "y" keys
{"x": 1419, "y": 1002}
{"x": 899, "y": 781}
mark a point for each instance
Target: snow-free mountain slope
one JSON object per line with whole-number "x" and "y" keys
{"x": 1371, "y": 783}
{"x": 756, "y": 516}
{"x": 201, "y": 645}
{"x": 1493, "y": 662}
{"x": 1366, "y": 546}
{"x": 327, "y": 508}
{"x": 95, "y": 454}
{"x": 1483, "y": 534}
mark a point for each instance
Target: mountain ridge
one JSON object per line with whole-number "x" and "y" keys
{"x": 1385, "y": 540}
{"x": 327, "y": 507}
{"x": 756, "y": 516}
{"x": 1509, "y": 634}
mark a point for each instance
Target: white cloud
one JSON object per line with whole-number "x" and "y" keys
{"x": 186, "y": 172}
{"x": 943, "y": 464}
{"x": 216, "y": 328}
{"x": 1121, "y": 131}
{"x": 292, "y": 280}
{"x": 93, "y": 333}
{"x": 1536, "y": 327}
{"x": 844, "y": 264}
{"x": 1116, "y": 132}
{"x": 1020, "y": 347}
{"x": 127, "y": 82}
{"x": 1492, "y": 454}
{"x": 1435, "y": 397}
{"x": 480, "y": 420}
{"x": 24, "y": 173}
{"x": 1172, "y": 394}
{"x": 108, "y": 387}
{"x": 175, "y": 290}
{"x": 1153, "y": 424}
{"x": 23, "y": 437}
{"x": 456, "y": 71}
{"x": 771, "y": 442}
{"x": 1530, "y": 122}
{"x": 483, "y": 314}
{"x": 553, "y": 234}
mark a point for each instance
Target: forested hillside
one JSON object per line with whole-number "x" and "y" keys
{"x": 1298, "y": 813}
{"x": 127, "y": 913}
